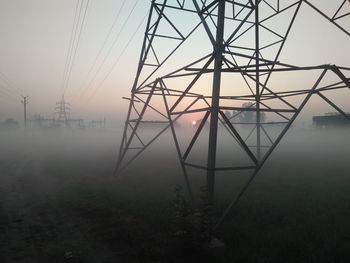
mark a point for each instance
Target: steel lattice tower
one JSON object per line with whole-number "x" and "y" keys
{"x": 62, "y": 109}
{"x": 246, "y": 39}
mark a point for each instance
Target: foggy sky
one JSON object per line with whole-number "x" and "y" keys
{"x": 35, "y": 37}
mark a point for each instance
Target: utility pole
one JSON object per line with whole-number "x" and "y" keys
{"x": 25, "y": 102}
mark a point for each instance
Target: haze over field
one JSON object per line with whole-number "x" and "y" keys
{"x": 59, "y": 199}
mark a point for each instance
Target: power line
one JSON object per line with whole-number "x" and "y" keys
{"x": 8, "y": 93}
{"x": 4, "y": 91}
{"x": 71, "y": 41}
{"x": 104, "y": 44}
{"x": 8, "y": 96}
{"x": 9, "y": 84}
{"x": 111, "y": 48}
{"x": 118, "y": 59}
{"x": 75, "y": 46}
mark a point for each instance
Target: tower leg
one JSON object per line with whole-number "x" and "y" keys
{"x": 215, "y": 103}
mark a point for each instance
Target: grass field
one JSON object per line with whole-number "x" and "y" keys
{"x": 60, "y": 203}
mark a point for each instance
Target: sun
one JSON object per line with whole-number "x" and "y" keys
{"x": 194, "y": 122}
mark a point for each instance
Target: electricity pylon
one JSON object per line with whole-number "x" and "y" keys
{"x": 62, "y": 110}
{"x": 245, "y": 39}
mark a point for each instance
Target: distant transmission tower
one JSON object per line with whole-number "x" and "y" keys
{"x": 245, "y": 39}
{"x": 62, "y": 110}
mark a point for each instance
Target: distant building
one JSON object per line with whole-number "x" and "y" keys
{"x": 245, "y": 116}
{"x": 330, "y": 119}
